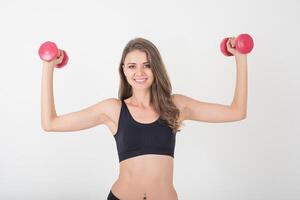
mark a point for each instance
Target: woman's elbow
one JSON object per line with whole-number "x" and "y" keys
{"x": 46, "y": 127}
{"x": 242, "y": 117}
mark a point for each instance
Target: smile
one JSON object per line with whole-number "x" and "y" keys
{"x": 140, "y": 80}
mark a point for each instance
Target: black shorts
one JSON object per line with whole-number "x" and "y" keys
{"x": 111, "y": 196}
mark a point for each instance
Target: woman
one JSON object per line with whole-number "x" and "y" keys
{"x": 144, "y": 119}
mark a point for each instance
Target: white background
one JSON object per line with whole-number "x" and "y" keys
{"x": 253, "y": 159}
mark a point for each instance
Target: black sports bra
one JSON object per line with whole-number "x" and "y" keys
{"x": 134, "y": 138}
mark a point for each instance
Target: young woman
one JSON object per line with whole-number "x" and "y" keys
{"x": 144, "y": 119}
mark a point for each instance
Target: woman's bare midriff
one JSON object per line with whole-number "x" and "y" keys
{"x": 149, "y": 176}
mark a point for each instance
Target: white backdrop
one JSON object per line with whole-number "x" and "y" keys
{"x": 253, "y": 159}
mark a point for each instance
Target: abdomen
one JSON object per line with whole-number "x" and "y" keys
{"x": 147, "y": 174}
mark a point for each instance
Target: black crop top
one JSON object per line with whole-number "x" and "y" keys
{"x": 134, "y": 138}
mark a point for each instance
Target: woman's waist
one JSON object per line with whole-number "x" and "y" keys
{"x": 146, "y": 176}
{"x": 148, "y": 183}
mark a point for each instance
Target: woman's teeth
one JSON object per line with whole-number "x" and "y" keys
{"x": 140, "y": 80}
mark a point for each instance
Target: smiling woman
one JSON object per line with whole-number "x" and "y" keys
{"x": 144, "y": 120}
{"x": 143, "y": 76}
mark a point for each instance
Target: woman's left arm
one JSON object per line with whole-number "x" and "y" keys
{"x": 191, "y": 109}
{"x": 239, "y": 101}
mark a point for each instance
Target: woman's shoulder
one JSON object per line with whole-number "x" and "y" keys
{"x": 113, "y": 103}
{"x": 178, "y": 100}
{"x": 113, "y": 100}
{"x": 113, "y": 107}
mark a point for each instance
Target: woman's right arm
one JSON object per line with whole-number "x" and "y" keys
{"x": 86, "y": 118}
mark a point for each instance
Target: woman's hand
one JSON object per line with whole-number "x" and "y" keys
{"x": 56, "y": 61}
{"x": 231, "y": 48}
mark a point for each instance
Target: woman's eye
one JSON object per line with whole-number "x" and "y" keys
{"x": 132, "y": 66}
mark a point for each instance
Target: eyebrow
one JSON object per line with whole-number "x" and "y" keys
{"x": 135, "y": 63}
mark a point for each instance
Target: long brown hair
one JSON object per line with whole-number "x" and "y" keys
{"x": 161, "y": 88}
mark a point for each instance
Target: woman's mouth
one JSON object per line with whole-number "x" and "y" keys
{"x": 143, "y": 80}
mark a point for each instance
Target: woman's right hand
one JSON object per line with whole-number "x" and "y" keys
{"x": 56, "y": 61}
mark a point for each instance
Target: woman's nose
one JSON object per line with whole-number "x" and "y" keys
{"x": 140, "y": 70}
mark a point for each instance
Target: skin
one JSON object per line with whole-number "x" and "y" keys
{"x": 149, "y": 176}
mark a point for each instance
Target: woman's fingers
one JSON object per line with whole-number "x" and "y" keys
{"x": 60, "y": 57}
{"x": 231, "y": 42}
{"x": 231, "y": 45}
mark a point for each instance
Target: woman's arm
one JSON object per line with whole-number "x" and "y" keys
{"x": 48, "y": 112}
{"x": 192, "y": 109}
{"x": 239, "y": 102}
{"x": 74, "y": 121}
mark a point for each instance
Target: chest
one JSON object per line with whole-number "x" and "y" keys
{"x": 143, "y": 115}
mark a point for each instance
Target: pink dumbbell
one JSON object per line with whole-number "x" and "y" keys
{"x": 48, "y": 51}
{"x": 243, "y": 44}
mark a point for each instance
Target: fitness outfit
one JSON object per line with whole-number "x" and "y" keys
{"x": 134, "y": 138}
{"x": 111, "y": 196}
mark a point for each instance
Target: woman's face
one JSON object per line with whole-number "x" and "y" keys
{"x": 137, "y": 70}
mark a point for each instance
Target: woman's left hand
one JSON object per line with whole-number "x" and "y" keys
{"x": 231, "y": 47}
